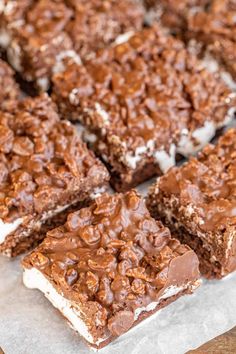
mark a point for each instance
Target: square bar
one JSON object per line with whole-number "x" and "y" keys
{"x": 44, "y": 170}
{"x": 142, "y": 102}
{"x": 39, "y": 35}
{"x": 110, "y": 266}
{"x": 36, "y": 41}
{"x": 198, "y": 202}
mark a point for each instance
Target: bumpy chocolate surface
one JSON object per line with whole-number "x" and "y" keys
{"x": 97, "y": 23}
{"x": 199, "y": 198}
{"x": 140, "y": 97}
{"x": 112, "y": 259}
{"x": 41, "y": 33}
{"x": 9, "y": 90}
{"x": 12, "y": 11}
{"x": 173, "y": 13}
{"x": 38, "y": 39}
{"x": 216, "y": 27}
{"x": 43, "y": 162}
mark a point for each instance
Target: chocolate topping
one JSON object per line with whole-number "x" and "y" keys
{"x": 38, "y": 40}
{"x": 120, "y": 322}
{"x": 97, "y": 23}
{"x": 39, "y": 34}
{"x": 215, "y": 25}
{"x": 48, "y": 17}
{"x": 200, "y": 197}
{"x": 139, "y": 98}
{"x": 9, "y": 90}
{"x": 112, "y": 259}
{"x": 173, "y": 13}
{"x": 43, "y": 161}
{"x": 208, "y": 183}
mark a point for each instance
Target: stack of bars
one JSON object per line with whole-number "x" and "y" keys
{"x": 127, "y": 100}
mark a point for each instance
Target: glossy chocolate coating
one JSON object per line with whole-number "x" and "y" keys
{"x": 200, "y": 196}
{"x": 112, "y": 259}
{"x": 215, "y": 26}
{"x": 41, "y": 32}
{"x": 43, "y": 161}
{"x": 137, "y": 98}
{"x": 9, "y": 90}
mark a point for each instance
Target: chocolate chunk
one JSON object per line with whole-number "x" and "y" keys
{"x": 121, "y": 322}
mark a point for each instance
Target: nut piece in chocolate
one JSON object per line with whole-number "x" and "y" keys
{"x": 143, "y": 102}
{"x": 110, "y": 266}
{"x": 44, "y": 170}
{"x": 198, "y": 202}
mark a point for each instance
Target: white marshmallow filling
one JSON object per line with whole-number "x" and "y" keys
{"x": 34, "y": 279}
{"x": 188, "y": 144}
{"x": 7, "y": 228}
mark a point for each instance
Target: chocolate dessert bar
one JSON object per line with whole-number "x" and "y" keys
{"x": 198, "y": 202}
{"x": 37, "y": 42}
{"x": 215, "y": 26}
{"x": 39, "y": 35}
{"x": 11, "y": 14}
{"x": 9, "y": 90}
{"x": 110, "y": 266}
{"x": 173, "y": 13}
{"x": 44, "y": 170}
{"x": 98, "y": 23}
{"x": 142, "y": 102}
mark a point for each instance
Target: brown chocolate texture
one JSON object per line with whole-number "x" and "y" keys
{"x": 138, "y": 99}
{"x": 112, "y": 259}
{"x": 97, "y": 23}
{"x": 197, "y": 200}
{"x": 215, "y": 26}
{"x": 173, "y": 13}
{"x": 38, "y": 34}
{"x": 37, "y": 38}
{"x": 9, "y": 90}
{"x": 44, "y": 164}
